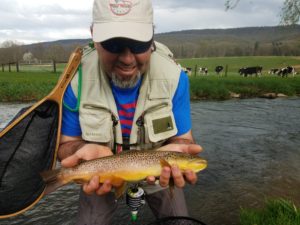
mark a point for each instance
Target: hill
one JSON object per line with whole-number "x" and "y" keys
{"x": 249, "y": 41}
{"x": 280, "y": 40}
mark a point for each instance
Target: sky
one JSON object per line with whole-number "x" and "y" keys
{"x": 33, "y": 21}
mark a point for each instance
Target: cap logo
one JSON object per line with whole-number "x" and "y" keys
{"x": 120, "y": 7}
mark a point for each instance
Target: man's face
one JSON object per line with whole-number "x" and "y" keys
{"x": 124, "y": 60}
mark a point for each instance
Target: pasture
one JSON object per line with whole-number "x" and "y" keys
{"x": 235, "y": 63}
{"x": 26, "y": 86}
{"x": 36, "y": 83}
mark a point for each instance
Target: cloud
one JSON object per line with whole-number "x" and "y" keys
{"x": 35, "y": 20}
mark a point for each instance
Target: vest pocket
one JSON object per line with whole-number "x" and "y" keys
{"x": 96, "y": 124}
{"x": 160, "y": 125}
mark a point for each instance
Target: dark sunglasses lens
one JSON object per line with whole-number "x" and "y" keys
{"x": 112, "y": 46}
{"x": 140, "y": 47}
{"x": 117, "y": 46}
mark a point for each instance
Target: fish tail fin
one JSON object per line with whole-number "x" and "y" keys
{"x": 52, "y": 180}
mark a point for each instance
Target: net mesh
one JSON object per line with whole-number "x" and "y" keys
{"x": 26, "y": 150}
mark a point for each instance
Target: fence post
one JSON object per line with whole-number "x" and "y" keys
{"x": 54, "y": 66}
{"x": 195, "y": 70}
{"x": 9, "y": 70}
{"x": 226, "y": 70}
{"x": 17, "y": 66}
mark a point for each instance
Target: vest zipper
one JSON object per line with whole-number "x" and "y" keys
{"x": 115, "y": 121}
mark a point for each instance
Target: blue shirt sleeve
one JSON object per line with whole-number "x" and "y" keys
{"x": 70, "y": 120}
{"x": 181, "y": 105}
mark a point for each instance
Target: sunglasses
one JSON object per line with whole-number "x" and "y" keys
{"x": 118, "y": 45}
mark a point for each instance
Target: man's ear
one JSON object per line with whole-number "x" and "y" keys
{"x": 153, "y": 47}
{"x": 91, "y": 29}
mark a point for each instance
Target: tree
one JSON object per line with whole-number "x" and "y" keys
{"x": 290, "y": 11}
{"x": 10, "y": 51}
{"x": 28, "y": 57}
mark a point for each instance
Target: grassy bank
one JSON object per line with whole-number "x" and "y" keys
{"x": 26, "y": 86}
{"x": 32, "y": 86}
{"x": 212, "y": 87}
{"x": 275, "y": 212}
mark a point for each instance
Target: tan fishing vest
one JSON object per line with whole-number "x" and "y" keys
{"x": 153, "y": 121}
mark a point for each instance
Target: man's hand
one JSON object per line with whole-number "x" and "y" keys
{"x": 89, "y": 152}
{"x": 174, "y": 172}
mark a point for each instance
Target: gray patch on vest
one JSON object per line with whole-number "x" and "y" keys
{"x": 162, "y": 125}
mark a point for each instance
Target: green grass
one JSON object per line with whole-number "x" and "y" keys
{"x": 34, "y": 85}
{"x": 26, "y": 86}
{"x": 212, "y": 87}
{"x": 275, "y": 212}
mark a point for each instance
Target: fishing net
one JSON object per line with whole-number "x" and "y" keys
{"x": 27, "y": 149}
{"x": 177, "y": 221}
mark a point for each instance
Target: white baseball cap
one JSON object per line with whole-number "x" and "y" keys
{"x": 131, "y": 19}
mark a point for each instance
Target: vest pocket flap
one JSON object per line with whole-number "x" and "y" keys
{"x": 161, "y": 126}
{"x": 96, "y": 124}
{"x": 159, "y": 89}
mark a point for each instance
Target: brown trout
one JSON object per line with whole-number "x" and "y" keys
{"x": 130, "y": 166}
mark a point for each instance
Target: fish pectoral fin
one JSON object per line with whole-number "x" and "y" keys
{"x": 164, "y": 163}
{"x": 80, "y": 181}
{"x": 119, "y": 191}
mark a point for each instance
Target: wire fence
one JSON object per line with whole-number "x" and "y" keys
{"x": 41, "y": 66}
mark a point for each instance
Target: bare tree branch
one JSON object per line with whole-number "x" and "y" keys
{"x": 290, "y": 11}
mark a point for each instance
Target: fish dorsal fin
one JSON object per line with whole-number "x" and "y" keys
{"x": 164, "y": 163}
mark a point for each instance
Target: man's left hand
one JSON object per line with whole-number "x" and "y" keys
{"x": 179, "y": 178}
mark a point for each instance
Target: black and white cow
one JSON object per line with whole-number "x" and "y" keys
{"x": 245, "y": 71}
{"x": 187, "y": 70}
{"x": 284, "y": 72}
{"x": 219, "y": 69}
{"x": 273, "y": 71}
{"x": 203, "y": 70}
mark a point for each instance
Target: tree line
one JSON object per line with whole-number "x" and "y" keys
{"x": 12, "y": 51}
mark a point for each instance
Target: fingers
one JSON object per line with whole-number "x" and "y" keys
{"x": 70, "y": 161}
{"x": 151, "y": 180}
{"x": 93, "y": 186}
{"x": 192, "y": 149}
{"x": 179, "y": 178}
{"x": 165, "y": 177}
{"x": 104, "y": 188}
{"x": 190, "y": 176}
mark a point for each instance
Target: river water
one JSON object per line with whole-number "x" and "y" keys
{"x": 253, "y": 152}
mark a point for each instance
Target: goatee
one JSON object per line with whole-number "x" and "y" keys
{"x": 122, "y": 82}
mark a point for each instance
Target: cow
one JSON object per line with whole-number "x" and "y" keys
{"x": 203, "y": 70}
{"x": 284, "y": 72}
{"x": 245, "y": 71}
{"x": 187, "y": 70}
{"x": 219, "y": 69}
{"x": 273, "y": 71}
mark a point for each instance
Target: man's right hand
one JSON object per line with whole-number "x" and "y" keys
{"x": 85, "y": 153}
{"x": 88, "y": 151}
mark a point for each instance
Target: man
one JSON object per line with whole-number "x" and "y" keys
{"x": 132, "y": 95}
